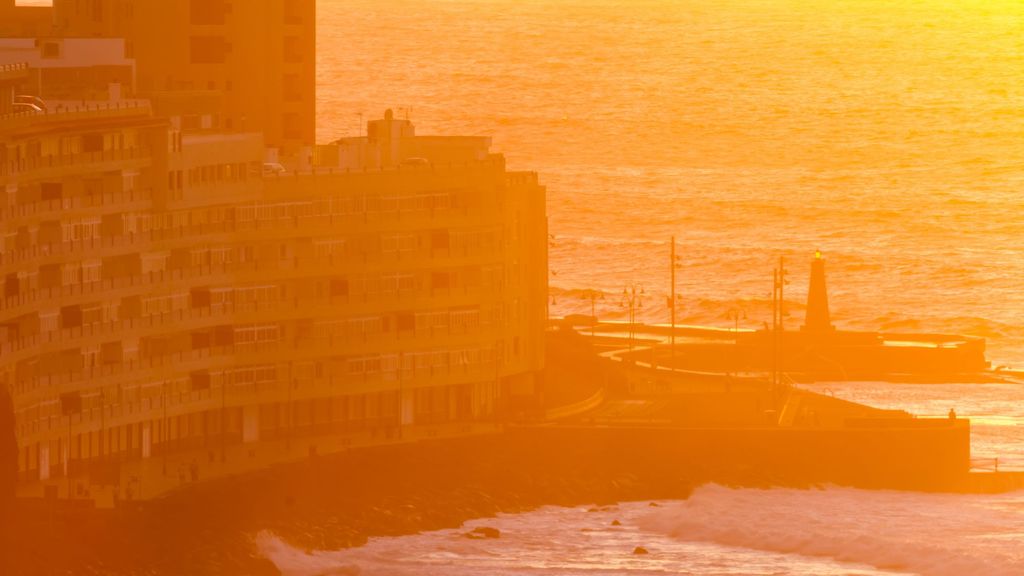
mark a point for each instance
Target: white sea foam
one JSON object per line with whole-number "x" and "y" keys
{"x": 717, "y": 531}
{"x": 294, "y": 562}
{"x": 932, "y": 534}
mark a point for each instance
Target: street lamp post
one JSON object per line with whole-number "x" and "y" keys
{"x": 632, "y": 299}
{"x": 593, "y": 296}
{"x": 673, "y": 266}
{"x": 549, "y": 302}
{"x": 735, "y": 313}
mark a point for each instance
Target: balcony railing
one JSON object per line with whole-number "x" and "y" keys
{"x": 69, "y": 111}
{"x": 83, "y": 160}
{"x": 132, "y": 404}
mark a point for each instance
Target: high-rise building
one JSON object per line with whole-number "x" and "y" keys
{"x": 171, "y": 302}
{"x": 259, "y": 56}
{"x": 28, "y": 21}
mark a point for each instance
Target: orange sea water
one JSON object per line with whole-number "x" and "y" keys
{"x": 889, "y": 134}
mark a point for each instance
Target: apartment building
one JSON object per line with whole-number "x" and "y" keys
{"x": 259, "y": 57}
{"x": 164, "y": 295}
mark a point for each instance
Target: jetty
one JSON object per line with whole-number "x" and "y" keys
{"x": 817, "y": 350}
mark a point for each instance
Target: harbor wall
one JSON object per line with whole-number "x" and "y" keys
{"x": 906, "y": 454}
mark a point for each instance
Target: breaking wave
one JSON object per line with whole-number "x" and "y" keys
{"x": 295, "y": 562}
{"x": 718, "y": 530}
{"x": 930, "y": 534}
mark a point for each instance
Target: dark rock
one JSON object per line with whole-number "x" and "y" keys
{"x": 640, "y": 550}
{"x": 616, "y": 523}
{"x": 483, "y": 532}
{"x": 653, "y": 504}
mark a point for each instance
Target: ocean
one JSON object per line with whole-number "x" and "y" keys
{"x": 886, "y": 134}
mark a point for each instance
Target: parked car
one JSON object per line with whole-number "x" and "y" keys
{"x": 36, "y": 101}
{"x": 273, "y": 169}
{"x": 415, "y": 162}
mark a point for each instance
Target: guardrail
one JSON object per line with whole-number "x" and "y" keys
{"x": 997, "y": 464}
{"x": 82, "y": 159}
{"x": 577, "y": 408}
{"x": 72, "y": 111}
{"x": 397, "y": 169}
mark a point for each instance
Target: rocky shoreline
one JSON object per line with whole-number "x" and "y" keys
{"x": 333, "y": 502}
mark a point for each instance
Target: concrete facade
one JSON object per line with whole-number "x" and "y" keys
{"x": 164, "y": 296}
{"x": 258, "y": 57}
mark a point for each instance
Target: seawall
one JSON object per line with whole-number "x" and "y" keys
{"x": 330, "y": 502}
{"x": 908, "y": 454}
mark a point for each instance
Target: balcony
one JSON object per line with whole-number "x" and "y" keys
{"x": 66, "y": 111}
{"x": 83, "y": 162}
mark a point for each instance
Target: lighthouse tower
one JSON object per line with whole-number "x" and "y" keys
{"x": 817, "y": 320}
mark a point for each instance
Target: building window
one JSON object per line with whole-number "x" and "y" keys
{"x": 293, "y": 50}
{"x": 190, "y": 122}
{"x": 51, "y": 50}
{"x": 440, "y": 280}
{"x": 209, "y": 12}
{"x": 92, "y": 143}
{"x": 51, "y": 190}
{"x": 292, "y": 91}
{"x": 294, "y": 11}
{"x": 208, "y": 49}
{"x": 292, "y": 126}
